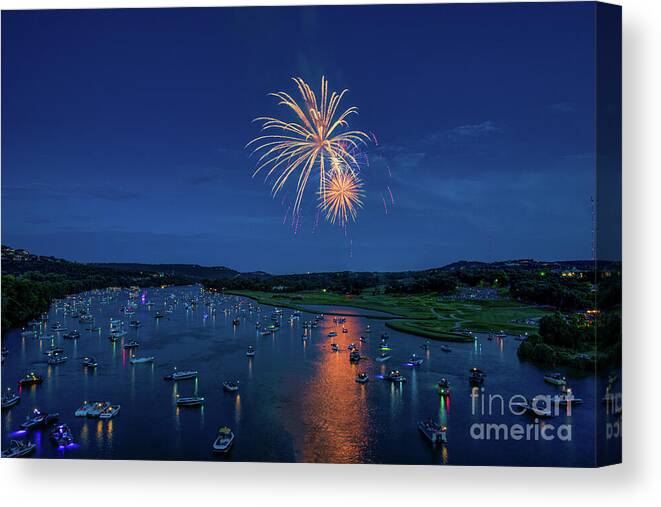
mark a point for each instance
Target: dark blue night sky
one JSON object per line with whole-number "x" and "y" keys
{"x": 124, "y": 133}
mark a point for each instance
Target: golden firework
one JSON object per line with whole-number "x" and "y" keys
{"x": 342, "y": 196}
{"x": 316, "y": 139}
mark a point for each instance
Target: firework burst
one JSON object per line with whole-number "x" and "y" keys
{"x": 342, "y": 196}
{"x": 314, "y": 144}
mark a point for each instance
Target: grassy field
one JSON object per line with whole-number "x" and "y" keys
{"x": 419, "y": 314}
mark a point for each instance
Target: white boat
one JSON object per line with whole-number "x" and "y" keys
{"x": 19, "y": 448}
{"x": 534, "y": 408}
{"x": 141, "y": 360}
{"x": 84, "y": 409}
{"x": 9, "y": 399}
{"x": 109, "y": 412}
{"x": 251, "y": 351}
{"x": 190, "y": 401}
{"x": 97, "y": 408}
{"x": 231, "y": 387}
{"x": 556, "y": 379}
{"x": 383, "y": 357}
{"x": 181, "y": 375}
{"x": 415, "y": 361}
{"x": 224, "y": 440}
{"x": 362, "y": 378}
{"x": 90, "y": 362}
{"x": 445, "y": 348}
{"x": 57, "y": 359}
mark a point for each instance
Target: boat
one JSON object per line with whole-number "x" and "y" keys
{"x": 71, "y": 335}
{"x": 83, "y": 410}
{"x": 331, "y": 334}
{"x": 236, "y": 322}
{"x": 567, "y": 398}
{"x": 61, "y": 435}
{"x": 57, "y": 359}
{"x": 109, "y": 412}
{"x": 556, "y": 379}
{"x": 181, "y": 375}
{"x": 38, "y": 419}
{"x": 135, "y": 323}
{"x": 19, "y": 448}
{"x": 89, "y": 362}
{"x": 223, "y": 442}
{"x": 30, "y": 379}
{"x": 362, "y": 378}
{"x": 251, "y": 351}
{"x": 335, "y": 347}
{"x": 415, "y": 361}
{"x": 345, "y": 330}
{"x": 231, "y": 387}
{"x": 532, "y": 407}
{"x": 97, "y": 408}
{"x": 354, "y": 356}
{"x": 118, "y": 333}
{"x": 433, "y": 432}
{"x": 443, "y": 387}
{"x": 445, "y": 348}
{"x": 132, "y": 344}
{"x": 9, "y": 399}
{"x": 351, "y": 346}
{"x": 114, "y": 338}
{"x": 190, "y": 401}
{"x": 395, "y": 376}
{"x": 424, "y": 346}
{"x": 383, "y": 357}
{"x": 58, "y": 327}
{"x": 477, "y": 376}
{"x": 54, "y": 350}
{"x": 363, "y": 339}
{"x": 141, "y": 360}
{"x": 305, "y": 337}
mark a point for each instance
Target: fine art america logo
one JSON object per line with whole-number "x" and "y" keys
{"x": 540, "y": 407}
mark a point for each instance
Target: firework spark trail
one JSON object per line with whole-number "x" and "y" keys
{"x": 313, "y": 141}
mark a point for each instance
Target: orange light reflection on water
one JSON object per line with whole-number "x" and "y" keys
{"x": 334, "y": 406}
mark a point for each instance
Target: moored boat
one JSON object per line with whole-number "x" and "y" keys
{"x": 224, "y": 440}
{"x": 84, "y": 409}
{"x": 362, "y": 378}
{"x": 181, "y": 375}
{"x": 395, "y": 376}
{"x": 9, "y": 399}
{"x": 141, "y": 360}
{"x": 109, "y": 412}
{"x": 89, "y": 362}
{"x": 443, "y": 387}
{"x": 38, "y": 419}
{"x": 231, "y": 387}
{"x": 251, "y": 351}
{"x": 61, "y": 435}
{"x": 383, "y": 357}
{"x": 30, "y": 379}
{"x": 19, "y": 448}
{"x": 190, "y": 401}
{"x": 476, "y": 376}
{"x": 555, "y": 378}
{"x": 433, "y": 432}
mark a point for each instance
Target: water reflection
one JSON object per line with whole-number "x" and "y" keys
{"x": 334, "y": 407}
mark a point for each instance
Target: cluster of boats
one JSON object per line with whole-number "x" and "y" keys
{"x": 97, "y": 409}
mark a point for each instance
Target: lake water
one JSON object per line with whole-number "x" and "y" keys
{"x": 298, "y": 400}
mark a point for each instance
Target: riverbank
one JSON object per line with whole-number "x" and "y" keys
{"x": 419, "y": 314}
